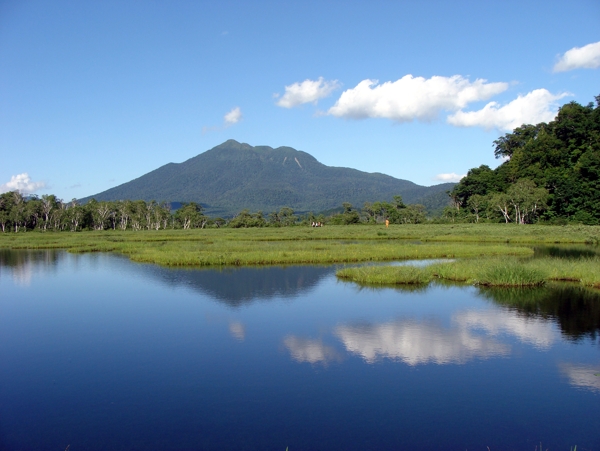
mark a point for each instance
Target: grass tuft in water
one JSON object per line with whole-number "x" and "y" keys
{"x": 493, "y": 271}
{"x": 387, "y": 275}
{"x": 504, "y": 272}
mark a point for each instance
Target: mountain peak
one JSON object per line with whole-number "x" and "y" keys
{"x": 233, "y": 176}
{"x": 232, "y": 144}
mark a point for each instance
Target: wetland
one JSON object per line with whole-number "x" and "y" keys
{"x": 101, "y": 352}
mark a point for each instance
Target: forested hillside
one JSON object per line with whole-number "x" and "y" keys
{"x": 235, "y": 176}
{"x": 551, "y": 172}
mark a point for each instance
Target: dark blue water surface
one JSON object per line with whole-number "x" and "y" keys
{"x": 100, "y": 353}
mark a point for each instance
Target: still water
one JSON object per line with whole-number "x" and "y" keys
{"x": 100, "y": 353}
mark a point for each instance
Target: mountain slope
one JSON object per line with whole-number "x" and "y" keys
{"x": 234, "y": 176}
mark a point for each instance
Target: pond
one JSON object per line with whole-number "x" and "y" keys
{"x": 99, "y": 353}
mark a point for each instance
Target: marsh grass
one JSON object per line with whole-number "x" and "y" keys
{"x": 585, "y": 271}
{"x": 506, "y": 273}
{"x": 387, "y": 275}
{"x": 276, "y": 252}
{"x": 499, "y": 272}
{"x": 336, "y": 244}
{"x": 221, "y": 247}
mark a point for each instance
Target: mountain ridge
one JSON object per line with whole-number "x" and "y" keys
{"x": 233, "y": 176}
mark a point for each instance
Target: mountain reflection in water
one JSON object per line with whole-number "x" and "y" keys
{"x": 232, "y": 286}
{"x": 193, "y": 359}
{"x": 238, "y": 286}
{"x": 575, "y": 309}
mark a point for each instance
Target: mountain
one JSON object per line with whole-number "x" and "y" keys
{"x": 233, "y": 176}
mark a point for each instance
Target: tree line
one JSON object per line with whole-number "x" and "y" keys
{"x": 551, "y": 173}
{"x": 20, "y": 213}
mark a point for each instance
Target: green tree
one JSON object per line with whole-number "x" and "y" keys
{"x": 562, "y": 157}
{"x": 190, "y": 216}
{"x": 246, "y": 219}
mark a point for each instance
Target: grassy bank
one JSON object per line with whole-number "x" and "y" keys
{"x": 505, "y": 271}
{"x": 332, "y": 244}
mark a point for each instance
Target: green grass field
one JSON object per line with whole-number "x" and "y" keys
{"x": 331, "y": 244}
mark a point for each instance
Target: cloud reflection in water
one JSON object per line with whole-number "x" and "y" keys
{"x": 536, "y": 331}
{"x": 237, "y": 330}
{"x": 583, "y": 376}
{"x": 417, "y": 342}
{"x": 311, "y": 351}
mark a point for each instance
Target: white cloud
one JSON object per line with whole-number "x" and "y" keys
{"x": 22, "y": 183}
{"x": 534, "y": 107}
{"x": 233, "y": 117}
{"x": 412, "y": 98}
{"x": 309, "y": 91}
{"x": 450, "y": 177}
{"x": 312, "y": 351}
{"x": 586, "y": 57}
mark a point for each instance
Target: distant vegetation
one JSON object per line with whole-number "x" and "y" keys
{"x": 551, "y": 173}
{"x": 48, "y": 213}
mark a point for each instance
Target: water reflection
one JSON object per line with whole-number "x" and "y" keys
{"x": 570, "y": 252}
{"x": 237, "y": 330}
{"x": 22, "y": 264}
{"x": 532, "y": 330}
{"x": 583, "y": 376}
{"x": 575, "y": 309}
{"x": 239, "y": 286}
{"x": 232, "y": 286}
{"x": 311, "y": 351}
{"x": 20, "y": 258}
{"x": 417, "y": 342}
{"x": 162, "y": 365}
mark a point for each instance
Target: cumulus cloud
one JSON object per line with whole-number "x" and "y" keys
{"x": 412, "y": 98}
{"x": 309, "y": 91}
{"x": 449, "y": 177}
{"x": 312, "y": 351}
{"x": 536, "y": 106}
{"x": 586, "y": 57}
{"x": 22, "y": 183}
{"x": 233, "y": 117}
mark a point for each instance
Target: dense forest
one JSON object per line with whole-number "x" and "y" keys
{"x": 550, "y": 173}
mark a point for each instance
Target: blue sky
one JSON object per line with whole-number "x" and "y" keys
{"x": 96, "y": 93}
